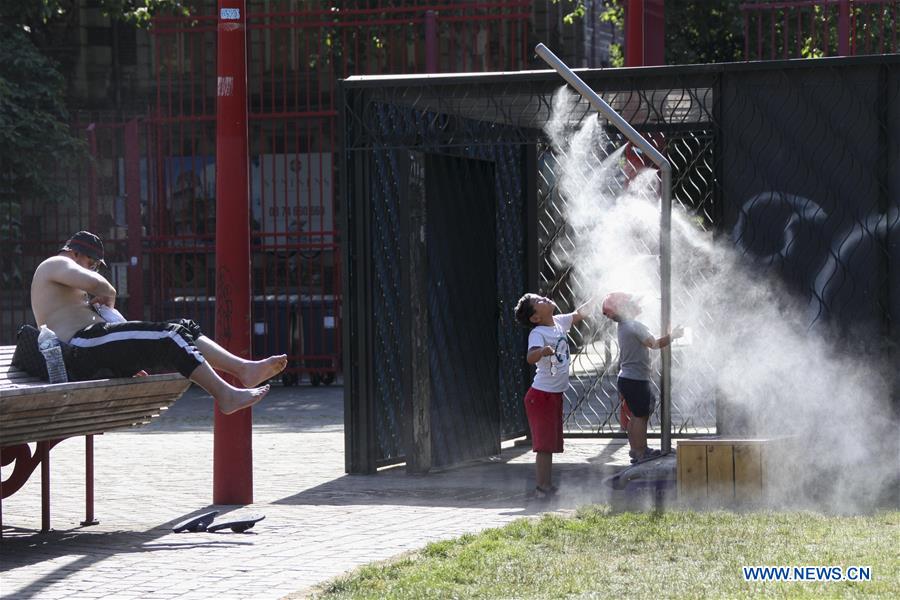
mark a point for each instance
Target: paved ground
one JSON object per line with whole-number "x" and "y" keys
{"x": 319, "y": 521}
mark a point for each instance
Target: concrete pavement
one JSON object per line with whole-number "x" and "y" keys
{"x": 319, "y": 521}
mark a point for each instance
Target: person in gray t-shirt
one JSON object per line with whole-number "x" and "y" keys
{"x": 635, "y": 342}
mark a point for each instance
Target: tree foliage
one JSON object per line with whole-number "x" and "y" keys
{"x": 700, "y": 32}
{"x": 696, "y": 32}
{"x": 34, "y": 15}
{"x": 36, "y": 141}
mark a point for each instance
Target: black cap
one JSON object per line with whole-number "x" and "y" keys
{"x": 85, "y": 242}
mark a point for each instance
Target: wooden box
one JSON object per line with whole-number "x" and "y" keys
{"x": 722, "y": 472}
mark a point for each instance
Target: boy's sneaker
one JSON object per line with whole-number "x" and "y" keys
{"x": 648, "y": 454}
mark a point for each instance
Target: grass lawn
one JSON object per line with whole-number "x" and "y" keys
{"x": 600, "y": 554}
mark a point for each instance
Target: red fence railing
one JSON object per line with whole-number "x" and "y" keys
{"x": 296, "y": 56}
{"x": 815, "y": 28}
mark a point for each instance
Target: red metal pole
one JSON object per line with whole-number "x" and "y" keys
{"x": 844, "y": 28}
{"x": 232, "y": 446}
{"x": 645, "y": 33}
{"x": 133, "y": 217}
{"x": 431, "y": 42}
{"x": 89, "y": 482}
{"x": 634, "y": 33}
{"x": 43, "y": 449}
{"x": 654, "y": 32}
{"x": 92, "y": 177}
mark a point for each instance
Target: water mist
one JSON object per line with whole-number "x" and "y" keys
{"x": 753, "y": 349}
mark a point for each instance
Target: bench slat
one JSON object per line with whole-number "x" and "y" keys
{"x": 134, "y": 385}
{"x": 52, "y": 398}
{"x": 80, "y": 429}
{"x": 136, "y": 414}
{"x": 42, "y": 416}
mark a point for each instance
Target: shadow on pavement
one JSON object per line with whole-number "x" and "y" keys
{"x": 25, "y": 547}
{"x": 487, "y": 483}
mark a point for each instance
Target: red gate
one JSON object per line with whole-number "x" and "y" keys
{"x": 295, "y": 58}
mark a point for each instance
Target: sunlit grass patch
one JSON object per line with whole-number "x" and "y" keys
{"x": 596, "y": 553}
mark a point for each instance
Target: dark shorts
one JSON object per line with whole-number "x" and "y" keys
{"x": 638, "y": 396}
{"x": 123, "y": 349}
{"x": 544, "y": 411}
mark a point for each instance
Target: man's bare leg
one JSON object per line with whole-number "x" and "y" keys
{"x": 250, "y": 372}
{"x": 229, "y": 398}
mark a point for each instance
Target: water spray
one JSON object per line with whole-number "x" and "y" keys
{"x": 665, "y": 226}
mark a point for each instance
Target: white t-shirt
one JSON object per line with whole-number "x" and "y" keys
{"x": 634, "y": 356}
{"x": 552, "y": 374}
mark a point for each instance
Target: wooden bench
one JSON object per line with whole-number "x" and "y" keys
{"x": 35, "y": 412}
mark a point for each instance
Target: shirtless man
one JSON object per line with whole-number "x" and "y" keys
{"x": 66, "y": 293}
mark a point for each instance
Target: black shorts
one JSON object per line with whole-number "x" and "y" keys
{"x": 638, "y": 396}
{"x": 122, "y": 349}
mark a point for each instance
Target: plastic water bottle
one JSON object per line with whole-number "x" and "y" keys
{"x": 50, "y": 347}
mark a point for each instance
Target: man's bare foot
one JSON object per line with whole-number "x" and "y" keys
{"x": 237, "y": 399}
{"x": 255, "y": 372}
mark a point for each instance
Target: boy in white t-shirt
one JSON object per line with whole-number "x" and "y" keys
{"x": 548, "y": 350}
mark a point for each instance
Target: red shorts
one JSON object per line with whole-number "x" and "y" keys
{"x": 544, "y": 411}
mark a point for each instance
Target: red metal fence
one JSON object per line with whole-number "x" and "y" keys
{"x": 150, "y": 189}
{"x": 295, "y": 57}
{"x": 94, "y": 198}
{"x": 815, "y": 28}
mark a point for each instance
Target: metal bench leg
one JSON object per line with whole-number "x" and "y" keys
{"x": 89, "y": 481}
{"x": 43, "y": 449}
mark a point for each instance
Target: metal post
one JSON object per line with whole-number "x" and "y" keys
{"x": 654, "y": 36}
{"x": 844, "y": 28}
{"x": 133, "y": 218}
{"x": 634, "y": 33}
{"x": 92, "y": 176}
{"x": 665, "y": 287}
{"x": 43, "y": 450}
{"x": 232, "y": 446}
{"x": 431, "y": 42}
{"x": 89, "y": 482}
{"x": 665, "y": 259}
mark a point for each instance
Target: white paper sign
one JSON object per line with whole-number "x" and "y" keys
{"x": 293, "y": 194}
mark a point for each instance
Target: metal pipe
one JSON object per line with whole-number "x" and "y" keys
{"x": 601, "y": 106}
{"x": 665, "y": 223}
{"x": 665, "y": 287}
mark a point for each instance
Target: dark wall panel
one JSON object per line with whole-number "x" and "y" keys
{"x": 462, "y": 308}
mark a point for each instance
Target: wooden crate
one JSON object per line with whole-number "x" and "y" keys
{"x": 723, "y": 472}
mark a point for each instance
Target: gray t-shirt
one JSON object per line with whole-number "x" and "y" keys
{"x": 552, "y": 373}
{"x": 634, "y": 356}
